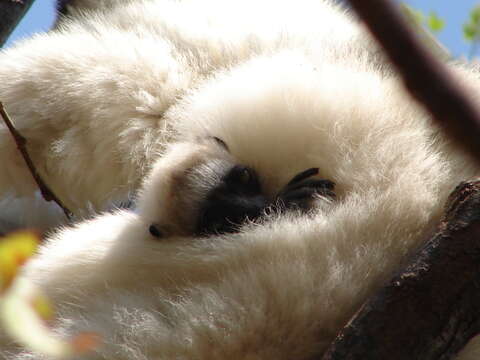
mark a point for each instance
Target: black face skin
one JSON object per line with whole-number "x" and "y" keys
{"x": 237, "y": 199}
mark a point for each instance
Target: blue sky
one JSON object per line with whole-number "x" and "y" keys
{"x": 41, "y": 17}
{"x": 455, "y": 13}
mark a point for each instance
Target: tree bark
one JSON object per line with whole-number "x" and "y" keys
{"x": 431, "y": 309}
{"x": 11, "y": 12}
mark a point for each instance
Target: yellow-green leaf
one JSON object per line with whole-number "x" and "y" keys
{"x": 469, "y": 31}
{"x": 475, "y": 15}
{"x": 15, "y": 249}
{"x": 435, "y": 23}
{"x": 24, "y": 308}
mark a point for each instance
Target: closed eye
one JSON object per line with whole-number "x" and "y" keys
{"x": 241, "y": 175}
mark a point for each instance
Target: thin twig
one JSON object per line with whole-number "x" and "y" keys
{"x": 21, "y": 142}
{"x": 426, "y": 78}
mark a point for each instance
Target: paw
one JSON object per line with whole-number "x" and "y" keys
{"x": 303, "y": 191}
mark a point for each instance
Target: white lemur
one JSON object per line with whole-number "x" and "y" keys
{"x": 236, "y": 248}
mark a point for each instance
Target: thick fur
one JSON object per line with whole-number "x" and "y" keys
{"x": 98, "y": 88}
{"x": 288, "y": 86}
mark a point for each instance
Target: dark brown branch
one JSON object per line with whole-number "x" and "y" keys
{"x": 432, "y": 308}
{"x": 427, "y": 79}
{"x": 21, "y": 142}
{"x": 11, "y": 12}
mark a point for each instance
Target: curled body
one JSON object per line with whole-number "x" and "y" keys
{"x": 218, "y": 115}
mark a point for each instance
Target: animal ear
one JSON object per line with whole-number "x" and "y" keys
{"x": 222, "y": 143}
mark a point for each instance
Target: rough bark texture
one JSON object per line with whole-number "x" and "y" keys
{"x": 11, "y": 12}
{"x": 427, "y": 78}
{"x": 432, "y": 308}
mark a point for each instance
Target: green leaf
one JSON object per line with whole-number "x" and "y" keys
{"x": 435, "y": 23}
{"x": 475, "y": 15}
{"x": 469, "y": 31}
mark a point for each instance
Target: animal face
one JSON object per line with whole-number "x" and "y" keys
{"x": 218, "y": 194}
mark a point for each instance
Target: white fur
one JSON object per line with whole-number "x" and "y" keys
{"x": 98, "y": 87}
{"x": 288, "y": 86}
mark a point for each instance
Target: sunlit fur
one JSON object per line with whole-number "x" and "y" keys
{"x": 287, "y": 85}
{"x": 91, "y": 97}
